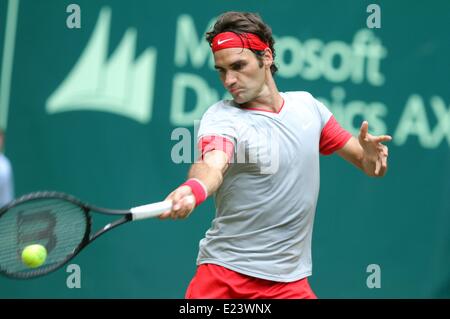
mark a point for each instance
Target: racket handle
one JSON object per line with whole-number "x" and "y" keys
{"x": 150, "y": 210}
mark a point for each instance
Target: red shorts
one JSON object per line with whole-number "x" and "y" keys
{"x": 217, "y": 282}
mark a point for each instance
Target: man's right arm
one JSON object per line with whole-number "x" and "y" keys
{"x": 208, "y": 173}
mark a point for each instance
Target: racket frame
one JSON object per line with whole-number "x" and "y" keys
{"x": 88, "y": 237}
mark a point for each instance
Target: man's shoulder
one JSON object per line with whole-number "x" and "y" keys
{"x": 300, "y": 95}
{"x": 222, "y": 107}
{"x": 4, "y": 162}
{"x": 301, "y": 99}
{"x": 5, "y": 166}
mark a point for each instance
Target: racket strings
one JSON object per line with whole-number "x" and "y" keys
{"x": 57, "y": 224}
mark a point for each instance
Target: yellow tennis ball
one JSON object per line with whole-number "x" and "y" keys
{"x": 34, "y": 256}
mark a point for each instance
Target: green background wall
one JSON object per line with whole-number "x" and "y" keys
{"x": 81, "y": 136}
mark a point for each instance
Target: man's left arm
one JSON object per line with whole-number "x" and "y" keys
{"x": 367, "y": 152}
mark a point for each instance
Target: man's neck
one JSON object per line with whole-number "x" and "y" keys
{"x": 270, "y": 99}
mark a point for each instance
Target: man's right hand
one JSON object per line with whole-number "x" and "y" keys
{"x": 183, "y": 203}
{"x": 209, "y": 172}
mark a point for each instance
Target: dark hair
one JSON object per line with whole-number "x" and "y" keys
{"x": 244, "y": 22}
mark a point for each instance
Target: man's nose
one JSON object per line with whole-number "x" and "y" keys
{"x": 230, "y": 79}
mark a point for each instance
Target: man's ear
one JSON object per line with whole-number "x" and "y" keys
{"x": 268, "y": 57}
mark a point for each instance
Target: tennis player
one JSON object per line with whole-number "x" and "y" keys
{"x": 259, "y": 243}
{"x": 6, "y": 175}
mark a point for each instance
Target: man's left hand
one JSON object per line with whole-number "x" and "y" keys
{"x": 375, "y": 153}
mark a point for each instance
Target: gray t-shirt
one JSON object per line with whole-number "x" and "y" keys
{"x": 266, "y": 204}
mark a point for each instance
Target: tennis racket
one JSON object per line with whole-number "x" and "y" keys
{"x": 60, "y": 223}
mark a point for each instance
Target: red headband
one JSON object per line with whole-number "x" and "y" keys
{"x": 227, "y": 40}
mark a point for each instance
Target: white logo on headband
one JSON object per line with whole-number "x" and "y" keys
{"x": 219, "y": 42}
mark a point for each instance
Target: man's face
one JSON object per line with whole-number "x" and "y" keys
{"x": 241, "y": 73}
